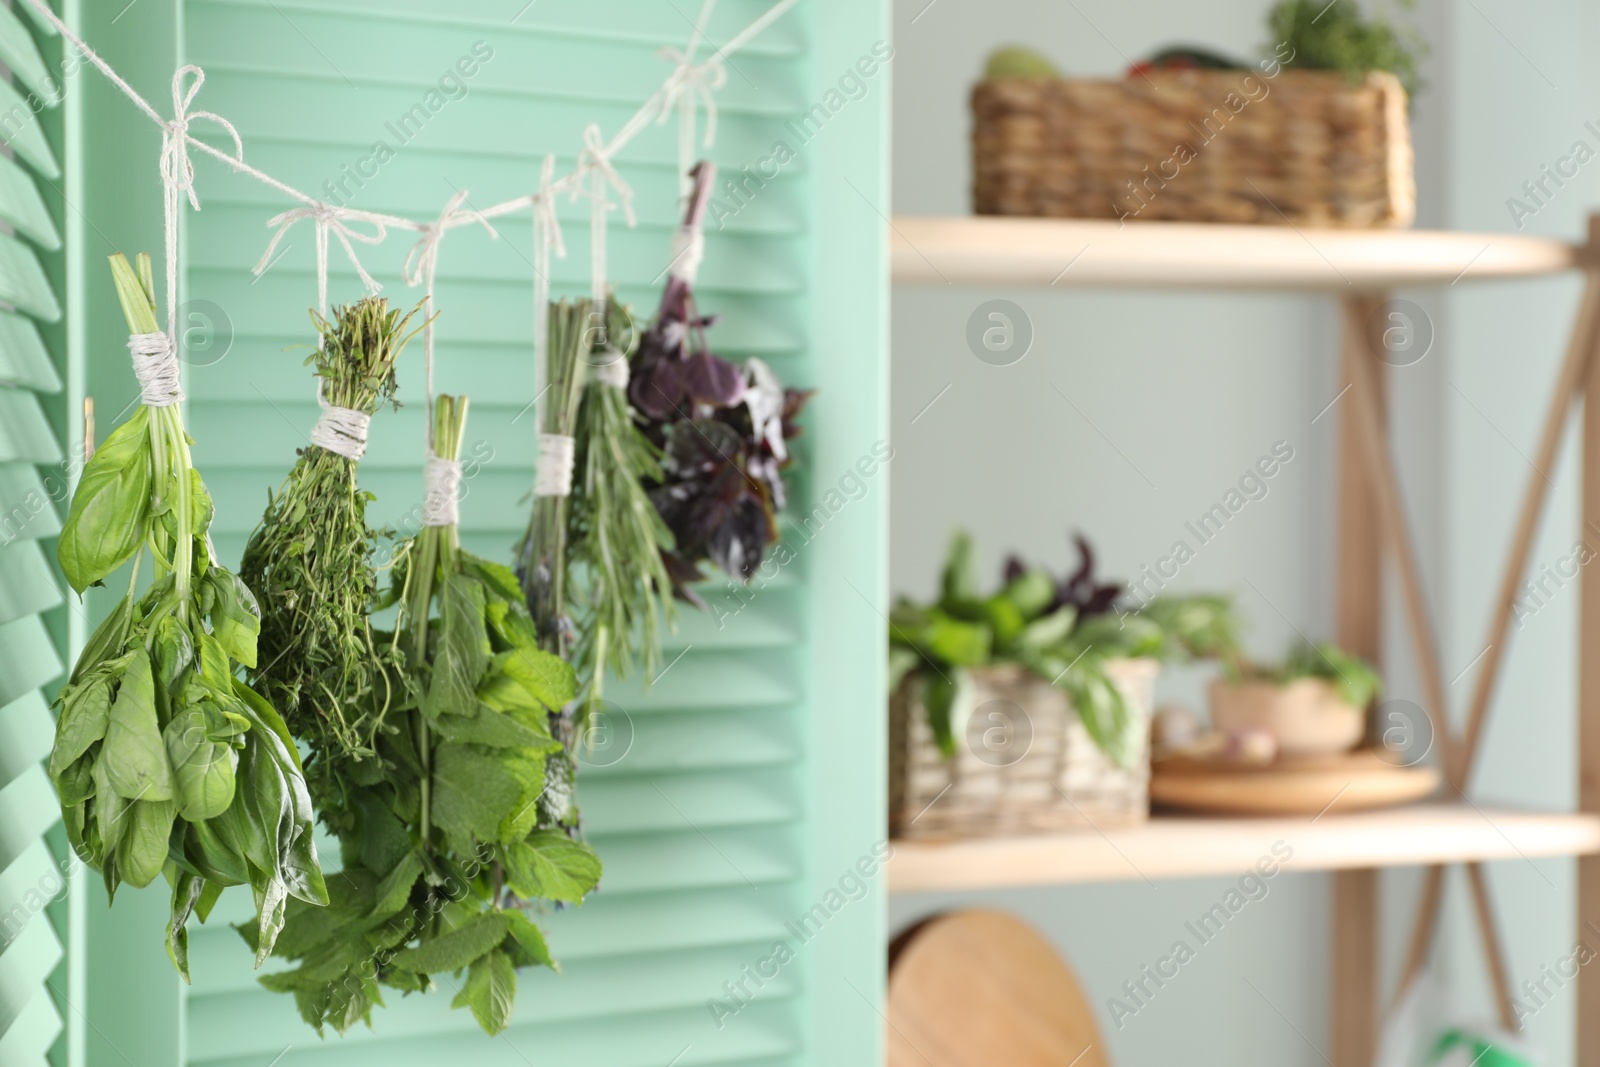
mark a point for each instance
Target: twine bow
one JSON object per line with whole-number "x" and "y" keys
{"x": 327, "y": 219}
{"x": 177, "y": 169}
{"x": 691, "y": 84}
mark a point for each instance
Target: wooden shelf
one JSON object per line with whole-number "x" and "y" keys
{"x": 1184, "y": 847}
{"x": 1092, "y": 252}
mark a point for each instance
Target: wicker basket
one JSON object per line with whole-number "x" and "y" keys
{"x": 1306, "y": 147}
{"x": 1026, "y": 765}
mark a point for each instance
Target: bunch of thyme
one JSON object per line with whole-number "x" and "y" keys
{"x": 309, "y": 562}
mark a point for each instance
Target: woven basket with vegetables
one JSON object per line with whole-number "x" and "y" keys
{"x": 1028, "y": 710}
{"x": 1315, "y": 134}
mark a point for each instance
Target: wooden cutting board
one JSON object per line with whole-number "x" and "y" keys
{"x": 1306, "y": 785}
{"x": 981, "y": 988}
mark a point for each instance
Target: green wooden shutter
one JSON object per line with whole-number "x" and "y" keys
{"x": 754, "y": 779}
{"x": 31, "y": 874}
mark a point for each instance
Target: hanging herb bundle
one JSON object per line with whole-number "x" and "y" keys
{"x": 622, "y": 590}
{"x": 164, "y": 761}
{"x": 469, "y": 821}
{"x": 310, "y": 559}
{"x": 542, "y": 556}
{"x": 722, "y": 430}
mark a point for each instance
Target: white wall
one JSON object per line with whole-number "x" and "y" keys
{"x": 1173, "y": 395}
{"x": 1523, "y": 84}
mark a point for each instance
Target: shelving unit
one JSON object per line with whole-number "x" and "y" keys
{"x": 1358, "y": 268}
{"x": 1182, "y": 847}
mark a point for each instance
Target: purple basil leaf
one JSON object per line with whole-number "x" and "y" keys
{"x": 712, "y": 380}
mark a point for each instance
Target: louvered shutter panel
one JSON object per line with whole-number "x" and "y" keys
{"x": 706, "y": 827}
{"x": 32, "y": 481}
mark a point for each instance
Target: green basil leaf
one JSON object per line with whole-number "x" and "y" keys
{"x": 142, "y": 851}
{"x": 551, "y": 865}
{"x": 174, "y": 651}
{"x": 272, "y": 896}
{"x": 214, "y": 851}
{"x": 135, "y": 758}
{"x": 490, "y": 991}
{"x": 83, "y": 721}
{"x": 109, "y": 515}
{"x": 214, "y": 665}
{"x": 200, "y": 506}
{"x": 108, "y": 640}
{"x": 203, "y": 767}
{"x": 235, "y": 619}
{"x": 456, "y": 949}
{"x": 186, "y": 893}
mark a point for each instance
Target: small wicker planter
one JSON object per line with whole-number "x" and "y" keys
{"x": 1026, "y": 764}
{"x": 1304, "y": 147}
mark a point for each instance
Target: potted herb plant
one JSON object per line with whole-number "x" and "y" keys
{"x": 1029, "y": 708}
{"x": 1313, "y": 703}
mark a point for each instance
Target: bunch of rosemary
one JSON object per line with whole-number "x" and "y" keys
{"x": 470, "y": 819}
{"x": 542, "y": 556}
{"x": 164, "y": 761}
{"x": 621, "y": 589}
{"x": 310, "y": 559}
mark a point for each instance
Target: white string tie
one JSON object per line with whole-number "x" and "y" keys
{"x": 611, "y": 368}
{"x": 553, "y": 475}
{"x": 546, "y": 235}
{"x": 441, "y": 495}
{"x": 690, "y": 85}
{"x": 342, "y": 431}
{"x": 420, "y": 266}
{"x": 327, "y": 218}
{"x": 177, "y": 169}
{"x": 155, "y": 364}
{"x": 603, "y": 177}
{"x": 688, "y": 249}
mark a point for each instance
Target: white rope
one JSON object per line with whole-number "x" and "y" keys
{"x": 603, "y": 177}
{"x": 688, "y": 249}
{"x": 546, "y": 234}
{"x": 342, "y": 431}
{"x": 690, "y": 85}
{"x": 155, "y": 364}
{"x": 326, "y": 217}
{"x": 441, "y": 495}
{"x": 553, "y": 475}
{"x": 421, "y": 264}
{"x": 610, "y": 369}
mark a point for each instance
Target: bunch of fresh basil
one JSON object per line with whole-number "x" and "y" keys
{"x": 1065, "y": 631}
{"x": 466, "y": 816}
{"x": 164, "y": 761}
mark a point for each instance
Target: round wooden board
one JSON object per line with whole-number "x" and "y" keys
{"x": 1353, "y": 781}
{"x": 981, "y": 988}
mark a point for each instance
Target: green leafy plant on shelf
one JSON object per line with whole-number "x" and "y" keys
{"x": 1063, "y": 630}
{"x": 1337, "y": 36}
{"x": 1356, "y": 680}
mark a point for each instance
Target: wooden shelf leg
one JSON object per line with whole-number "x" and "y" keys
{"x": 1359, "y": 610}
{"x": 1483, "y": 908}
{"x": 1589, "y": 714}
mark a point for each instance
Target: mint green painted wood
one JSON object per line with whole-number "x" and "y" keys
{"x": 27, "y": 584}
{"x": 23, "y": 134}
{"x": 21, "y": 56}
{"x": 120, "y": 996}
{"x": 24, "y": 360}
{"x": 754, "y": 778}
{"x": 23, "y": 207}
